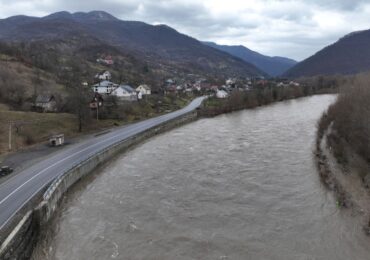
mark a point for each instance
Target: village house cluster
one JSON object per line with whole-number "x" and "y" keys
{"x": 202, "y": 86}
{"x": 104, "y": 89}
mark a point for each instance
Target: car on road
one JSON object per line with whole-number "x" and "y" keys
{"x": 5, "y": 170}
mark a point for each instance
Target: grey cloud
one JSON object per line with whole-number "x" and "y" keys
{"x": 345, "y": 5}
{"x": 275, "y": 27}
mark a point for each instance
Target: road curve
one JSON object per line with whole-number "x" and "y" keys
{"x": 20, "y": 189}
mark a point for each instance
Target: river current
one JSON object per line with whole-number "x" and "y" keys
{"x": 238, "y": 186}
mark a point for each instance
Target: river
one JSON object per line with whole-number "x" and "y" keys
{"x": 238, "y": 186}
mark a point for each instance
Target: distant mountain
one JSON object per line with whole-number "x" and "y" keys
{"x": 349, "y": 55}
{"x": 161, "y": 48}
{"x": 274, "y": 66}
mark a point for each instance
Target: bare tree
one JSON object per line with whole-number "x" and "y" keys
{"x": 78, "y": 100}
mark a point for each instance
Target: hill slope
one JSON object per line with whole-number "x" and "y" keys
{"x": 274, "y": 66}
{"x": 349, "y": 55}
{"x": 160, "y": 47}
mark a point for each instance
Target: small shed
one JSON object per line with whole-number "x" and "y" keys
{"x": 46, "y": 103}
{"x": 56, "y": 140}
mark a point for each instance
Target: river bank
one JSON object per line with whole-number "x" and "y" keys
{"x": 343, "y": 171}
{"x": 343, "y": 147}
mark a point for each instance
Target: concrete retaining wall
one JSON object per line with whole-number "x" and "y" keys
{"x": 20, "y": 242}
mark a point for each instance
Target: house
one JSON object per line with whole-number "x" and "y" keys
{"x": 105, "y": 75}
{"x": 105, "y": 87}
{"x": 205, "y": 86}
{"x": 247, "y": 87}
{"x": 221, "y": 94}
{"x": 226, "y": 88}
{"x": 46, "y": 103}
{"x": 107, "y": 60}
{"x": 171, "y": 89}
{"x": 230, "y": 82}
{"x": 262, "y": 83}
{"x": 196, "y": 87}
{"x": 97, "y": 101}
{"x": 293, "y": 83}
{"x": 125, "y": 93}
{"x": 144, "y": 89}
{"x": 170, "y": 82}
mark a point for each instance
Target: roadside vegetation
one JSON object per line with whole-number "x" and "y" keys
{"x": 29, "y": 128}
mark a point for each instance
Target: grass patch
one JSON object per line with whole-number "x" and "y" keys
{"x": 31, "y": 127}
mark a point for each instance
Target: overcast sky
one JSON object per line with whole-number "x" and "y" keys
{"x": 291, "y": 28}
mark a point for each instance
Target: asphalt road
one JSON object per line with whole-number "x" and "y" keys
{"x": 20, "y": 189}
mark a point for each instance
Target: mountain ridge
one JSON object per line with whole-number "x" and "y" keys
{"x": 349, "y": 55}
{"x": 274, "y": 66}
{"x": 158, "y": 45}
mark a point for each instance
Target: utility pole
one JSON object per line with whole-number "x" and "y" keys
{"x": 17, "y": 125}
{"x": 10, "y": 136}
{"x": 97, "y": 110}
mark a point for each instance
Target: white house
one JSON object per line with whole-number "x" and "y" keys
{"x": 144, "y": 89}
{"x": 170, "y": 82}
{"x": 125, "y": 93}
{"x": 230, "y": 82}
{"x": 293, "y": 83}
{"x": 221, "y": 94}
{"x": 106, "y": 75}
{"x": 105, "y": 87}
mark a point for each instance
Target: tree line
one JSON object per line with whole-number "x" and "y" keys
{"x": 349, "y": 118}
{"x": 259, "y": 96}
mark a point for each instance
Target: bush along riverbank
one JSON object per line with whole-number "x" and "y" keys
{"x": 258, "y": 96}
{"x": 343, "y": 147}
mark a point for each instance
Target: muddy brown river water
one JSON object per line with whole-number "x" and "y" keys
{"x": 237, "y": 186}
